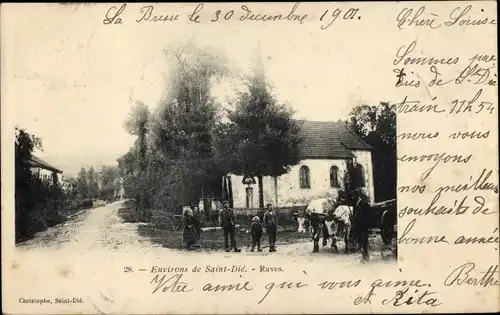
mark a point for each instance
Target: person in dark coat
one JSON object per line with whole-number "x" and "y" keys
{"x": 228, "y": 223}
{"x": 271, "y": 224}
{"x": 361, "y": 225}
{"x": 256, "y": 232}
{"x": 197, "y": 221}
{"x": 189, "y": 232}
{"x": 317, "y": 227}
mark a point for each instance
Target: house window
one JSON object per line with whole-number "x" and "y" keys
{"x": 304, "y": 177}
{"x": 360, "y": 174}
{"x": 334, "y": 177}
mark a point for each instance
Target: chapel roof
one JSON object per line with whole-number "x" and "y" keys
{"x": 329, "y": 140}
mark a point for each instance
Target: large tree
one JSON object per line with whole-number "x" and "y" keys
{"x": 377, "y": 126}
{"x": 182, "y": 137}
{"x": 267, "y": 137}
{"x": 137, "y": 124}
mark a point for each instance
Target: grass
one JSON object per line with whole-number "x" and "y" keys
{"x": 171, "y": 236}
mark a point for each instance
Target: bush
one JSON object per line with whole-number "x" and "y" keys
{"x": 86, "y": 204}
{"x": 166, "y": 221}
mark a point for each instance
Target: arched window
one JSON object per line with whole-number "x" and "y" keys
{"x": 304, "y": 177}
{"x": 360, "y": 174}
{"x": 334, "y": 177}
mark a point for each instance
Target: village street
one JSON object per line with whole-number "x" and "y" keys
{"x": 102, "y": 229}
{"x": 106, "y": 262}
{"x": 95, "y": 229}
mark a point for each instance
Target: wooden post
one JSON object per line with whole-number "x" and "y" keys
{"x": 276, "y": 191}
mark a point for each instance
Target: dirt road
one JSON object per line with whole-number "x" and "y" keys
{"x": 102, "y": 229}
{"x": 95, "y": 229}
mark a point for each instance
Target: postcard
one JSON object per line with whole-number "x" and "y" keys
{"x": 250, "y": 158}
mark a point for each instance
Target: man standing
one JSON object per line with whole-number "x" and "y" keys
{"x": 271, "y": 224}
{"x": 228, "y": 223}
{"x": 360, "y": 226}
{"x": 197, "y": 220}
{"x": 317, "y": 226}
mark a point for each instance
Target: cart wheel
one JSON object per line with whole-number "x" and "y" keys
{"x": 386, "y": 231}
{"x": 386, "y": 236}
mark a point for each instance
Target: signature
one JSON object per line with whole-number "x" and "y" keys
{"x": 462, "y": 275}
{"x": 405, "y": 297}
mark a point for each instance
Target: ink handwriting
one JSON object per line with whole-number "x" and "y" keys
{"x": 172, "y": 284}
{"x": 462, "y": 275}
{"x": 467, "y": 16}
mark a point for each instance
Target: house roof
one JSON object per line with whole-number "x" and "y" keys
{"x": 328, "y": 140}
{"x": 38, "y": 162}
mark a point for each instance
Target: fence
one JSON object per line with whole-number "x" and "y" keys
{"x": 285, "y": 217}
{"x": 279, "y": 210}
{"x": 171, "y": 221}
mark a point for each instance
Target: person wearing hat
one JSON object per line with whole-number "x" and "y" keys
{"x": 189, "y": 232}
{"x": 271, "y": 224}
{"x": 227, "y": 222}
{"x": 256, "y": 232}
{"x": 360, "y": 225}
{"x": 196, "y": 220}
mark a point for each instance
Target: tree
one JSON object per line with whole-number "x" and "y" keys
{"x": 126, "y": 163}
{"x": 377, "y": 126}
{"x": 25, "y": 200}
{"x": 126, "y": 169}
{"x": 35, "y": 199}
{"x": 181, "y": 155}
{"x": 93, "y": 183}
{"x": 70, "y": 191}
{"x": 108, "y": 176}
{"x": 136, "y": 124}
{"x": 351, "y": 187}
{"x": 265, "y": 132}
{"x": 82, "y": 184}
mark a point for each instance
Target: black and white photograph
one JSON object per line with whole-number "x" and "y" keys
{"x": 223, "y": 161}
{"x": 236, "y": 150}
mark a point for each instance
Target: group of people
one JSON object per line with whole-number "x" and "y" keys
{"x": 227, "y": 221}
{"x": 267, "y": 221}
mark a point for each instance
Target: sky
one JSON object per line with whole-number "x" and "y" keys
{"x": 72, "y": 80}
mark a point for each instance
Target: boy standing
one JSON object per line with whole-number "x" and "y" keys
{"x": 256, "y": 231}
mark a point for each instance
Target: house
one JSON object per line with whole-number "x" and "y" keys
{"x": 324, "y": 152}
{"x": 44, "y": 170}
